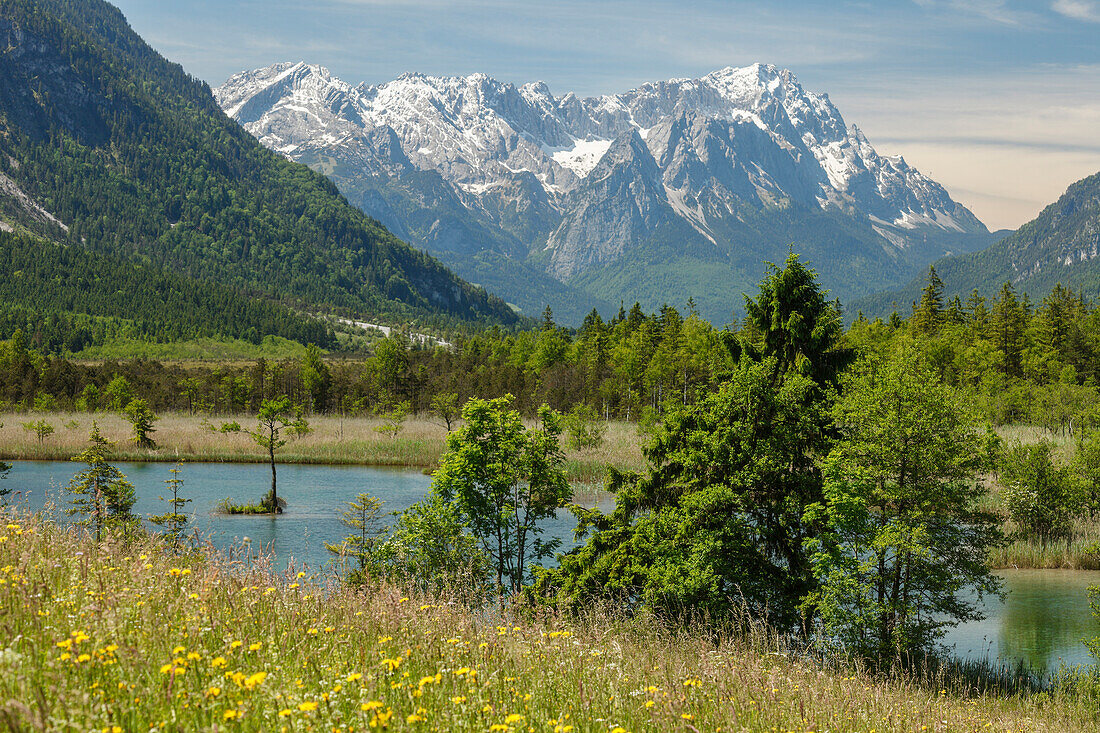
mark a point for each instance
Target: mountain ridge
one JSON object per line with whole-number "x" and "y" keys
{"x": 1061, "y": 245}
{"x": 733, "y": 149}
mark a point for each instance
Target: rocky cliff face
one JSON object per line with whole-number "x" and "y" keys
{"x": 726, "y": 168}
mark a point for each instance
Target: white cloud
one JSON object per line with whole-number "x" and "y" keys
{"x": 1078, "y": 9}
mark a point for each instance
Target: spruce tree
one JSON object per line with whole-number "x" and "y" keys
{"x": 928, "y": 316}
{"x": 101, "y": 493}
{"x": 174, "y": 520}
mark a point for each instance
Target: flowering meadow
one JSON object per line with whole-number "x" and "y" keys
{"x": 135, "y": 637}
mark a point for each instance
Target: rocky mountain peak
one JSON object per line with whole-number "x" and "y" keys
{"x": 694, "y": 156}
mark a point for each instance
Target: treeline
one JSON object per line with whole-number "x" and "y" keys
{"x": 1018, "y": 361}
{"x": 1015, "y": 361}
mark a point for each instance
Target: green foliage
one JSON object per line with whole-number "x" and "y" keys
{"x": 364, "y": 516}
{"x": 299, "y": 426}
{"x": 273, "y": 418}
{"x": 174, "y": 520}
{"x": 229, "y": 427}
{"x": 584, "y": 429}
{"x": 902, "y": 554}
{"x": 315, "y": 376}
{"x": 393, "y": 419}
{"x": 1043, "y": 498}
{"x": 5, "y": 490}
{"x": 41, "y": 429}
{"x": 101, "y": 493}
{"x": 505, "y": 479}
{"x": 431, "y": 548}
{"x": 929, "y": 314}
{"x": 117, "y": 394}
{"x": 791, "y": 321}
{"x": 445, "y": 406}
{"x": 44, "y": 402}
{"x": 716, "y": 524}
{"x": 74, "y": 301}
{"x": 141, "y": 421}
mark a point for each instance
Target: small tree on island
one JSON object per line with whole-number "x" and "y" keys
{"x": 101, "y": 492}
{"x": 141, "y": 421}
{"x": 274, "y": 417}
{"x": 504, "y": 479}
{"x": 364, "y": 515}
{"x": 174, "y": 520}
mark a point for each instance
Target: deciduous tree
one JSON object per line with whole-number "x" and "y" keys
{"x": 902, "y": 547}
{"x": 505, "y": 479}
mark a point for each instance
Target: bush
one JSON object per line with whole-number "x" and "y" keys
{"x": 584, "y": 430}
{"x": 1042, "y": 497}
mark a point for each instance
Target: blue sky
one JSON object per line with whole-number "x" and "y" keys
{"x": 998, "y": 100}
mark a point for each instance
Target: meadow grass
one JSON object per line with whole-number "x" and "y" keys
{"x": 334, "y": 440}
{"x": 126, "y": 636}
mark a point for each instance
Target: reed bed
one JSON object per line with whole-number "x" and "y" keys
{"x": 334, "y": 440}
{"x": 135, "y": 635}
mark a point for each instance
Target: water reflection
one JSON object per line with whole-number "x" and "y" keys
{"x": 1043, "y": 621}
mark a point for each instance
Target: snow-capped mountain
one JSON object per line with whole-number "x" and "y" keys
{"x": 675, "y": 188}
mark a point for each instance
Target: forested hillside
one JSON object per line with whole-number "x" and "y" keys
{"x": 51, "y": 289}
{"x": 1059, "y": 246}
{"x": 137, "y": 162}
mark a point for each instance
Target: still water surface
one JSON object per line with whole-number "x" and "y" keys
{"x": 1043, "y": 620}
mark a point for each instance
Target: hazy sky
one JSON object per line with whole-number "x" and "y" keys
{"x": 999, "y": 101}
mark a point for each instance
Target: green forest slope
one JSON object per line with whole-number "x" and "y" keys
{"x": 136, "y": 160}
{"x": 1060, "y": 245}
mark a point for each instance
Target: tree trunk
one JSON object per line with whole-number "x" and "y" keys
{"x": 274, "y": 496}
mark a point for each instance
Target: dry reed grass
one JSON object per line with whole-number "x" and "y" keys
{"x": 334, "y": 440}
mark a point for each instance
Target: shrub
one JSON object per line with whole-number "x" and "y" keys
{"x": 1042, "y": 497}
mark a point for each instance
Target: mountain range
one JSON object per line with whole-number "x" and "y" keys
{"x": 674, "y": 190}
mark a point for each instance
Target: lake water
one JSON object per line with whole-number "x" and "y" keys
{"x": 315, "y": 496}
{"x": 1043, "y": 620}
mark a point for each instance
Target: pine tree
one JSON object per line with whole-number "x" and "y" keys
{"x": 101, "y": 492}
{"x": 141, "y": 420}
{"x": 174, "y": 520}
{"x": 928, "y": 315}
{"x": 1009, "y": 321}
{"x": 364, "y": 515}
